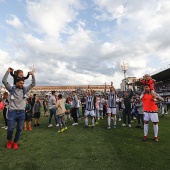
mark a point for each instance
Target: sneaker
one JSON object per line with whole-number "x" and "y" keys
{"x": 120, "y": 119}
{"x": 162, "y": 115}
{"x": 3, "y": 127}
{"x": 60, "y": 131}
{"x": 134, "y": 118}
{"x": 25, "y": 128}
{"x": 138, "y": 126}
{"x": 15, "y": 145}
{"x": 123, "y": 124}
{"x": 6, "y": 127}
{"x": 74, "y": 124}
{"x": 50, "y": 125}
{"x": 166, "y": 113}
{"x": 129, "y": 125}
{"x": 38, "y": 124}
{"x": 57, "y": 125}
{"x": 25, "y": 96}
{"x": 102, "y": 118}
{"x": 114, "y": 126}
{"x": 12, "y": 97}
{"x": 132, "y": 121}
{"x": 9, "y": 144}
{"x": 156, "y": 139}
{"x": 96, "y": 123}
{"x": 35, "y": 125}
{"x": 108, "y": 128}
{"x": 145, "y": 138}
{"x": 65, "y": 128}
{"x": 30, "y": 128}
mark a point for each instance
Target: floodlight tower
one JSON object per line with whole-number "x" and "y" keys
{"x": 124, "y": 68}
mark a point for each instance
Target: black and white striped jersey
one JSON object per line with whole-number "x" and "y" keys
{"x": 90, "y": 103}
{"x": 111, "y": 100}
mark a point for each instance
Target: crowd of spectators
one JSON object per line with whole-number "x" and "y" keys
{"x": 162, "y": 86}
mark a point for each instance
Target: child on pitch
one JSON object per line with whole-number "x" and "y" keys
{"x": 37, "y": 112}
{"x": 60, "y": 105}
{"x": 27, "y": 116}
{"x": 147, "y": 80}
{"x": 18, "y": 74}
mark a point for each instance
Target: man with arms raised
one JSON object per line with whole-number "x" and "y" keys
{"x": 16, "y": 111}
{"x": 111, "y": 107}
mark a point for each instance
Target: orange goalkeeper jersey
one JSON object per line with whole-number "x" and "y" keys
{"x": 149, "y": 104}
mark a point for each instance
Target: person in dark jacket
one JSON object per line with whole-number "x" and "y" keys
{"x": 127, "y": 106}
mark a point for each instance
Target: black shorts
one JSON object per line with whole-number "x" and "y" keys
{"x": 28, "y": 117}
{"x": 37, "y": 115}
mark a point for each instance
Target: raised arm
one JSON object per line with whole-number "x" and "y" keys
{"x": 131, "y": 93}
{"x": 27, "y": 76}
{"x": 133, "y": 85}
{"x": 4, "y": 80}
{"x": 28, "y": 88}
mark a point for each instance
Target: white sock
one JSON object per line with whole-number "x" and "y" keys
{"x": 92, "y": 121}
{"x": 145, "y": 129}
{"x": 155, "y": 128}
{"x": 108, "y": 120}
{"x": 86, "y": 121}
{"x": 114, "y": 120}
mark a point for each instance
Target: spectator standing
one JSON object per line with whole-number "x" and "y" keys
{"x": 127, "y": 107}
{"x": 5, "y": 110}
{"x": 74, "y": 108}
{"x": 60, "y": 105}
{"x": 37, "y": 111}
{"x": 52, "y": 108}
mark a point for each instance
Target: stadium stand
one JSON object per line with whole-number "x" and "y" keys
{"x": 162, "y": 85}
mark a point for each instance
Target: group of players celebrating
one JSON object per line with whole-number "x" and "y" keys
{"x": 147, "y": 100}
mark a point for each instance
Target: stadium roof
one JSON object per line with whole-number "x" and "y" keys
{"x": 162, "y": 76}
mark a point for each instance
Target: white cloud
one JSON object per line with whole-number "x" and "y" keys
{"x": 14, "y": 21}
{"x": 51, "y": 17}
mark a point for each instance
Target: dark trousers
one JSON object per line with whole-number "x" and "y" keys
{"x": 128, "y": 113}
{"x": 140, "y": 118}
{"x": 5, "y": 116}
{"x": 74, "y": 114}
{"x": 83, "y": 110}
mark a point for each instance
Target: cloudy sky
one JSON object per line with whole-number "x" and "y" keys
{"x": 74, "y": 42}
